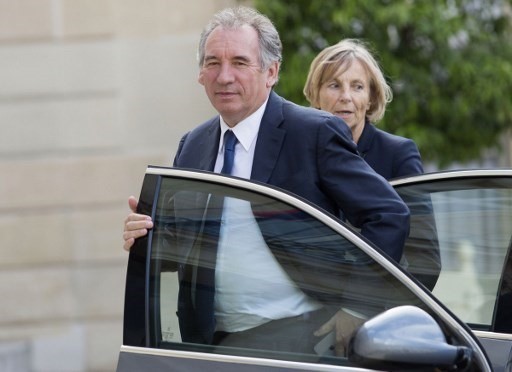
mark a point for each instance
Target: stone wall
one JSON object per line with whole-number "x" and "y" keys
{"x": 91, "y": 91}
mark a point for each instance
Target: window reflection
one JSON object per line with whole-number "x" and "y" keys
{"x": 327, "y": 271}
{"x": 474, "y": 227}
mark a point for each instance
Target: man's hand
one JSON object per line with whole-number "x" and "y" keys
{"x": 344, "y": 325}
{"x": 135, "y": 225}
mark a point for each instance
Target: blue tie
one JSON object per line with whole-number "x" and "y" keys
{"x": 229, "y": 151}
{"x": 204, "y": 285}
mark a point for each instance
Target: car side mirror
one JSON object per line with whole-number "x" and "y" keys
{"x": 405, "y": 337}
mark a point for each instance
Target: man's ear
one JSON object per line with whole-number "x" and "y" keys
{"x": 272, "y": 74}
{"x": 200, "y": 77}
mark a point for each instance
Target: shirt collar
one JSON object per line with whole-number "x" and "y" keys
{"x": 245, "y": 131}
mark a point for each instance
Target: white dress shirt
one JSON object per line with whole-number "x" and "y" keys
{"x": 251, "y": 287}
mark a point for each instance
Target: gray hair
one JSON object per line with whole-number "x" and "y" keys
{"x": 233, "y": 18}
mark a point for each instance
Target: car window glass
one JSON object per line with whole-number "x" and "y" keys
{"x": 330, "y": 270}
{"x": 464, "y": 228}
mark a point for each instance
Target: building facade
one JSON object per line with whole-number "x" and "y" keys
{"x": 91, "y": 92}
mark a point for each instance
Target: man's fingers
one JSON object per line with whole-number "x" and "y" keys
{"x": 326, "y": 328}
{"x": 130, "y": 236}
{"x": 136, "y": 229}
{"x": 132, "y": 203}
{"x": 128, "y": 243}
{"x": 342, "y": 337}
{"x": 134, "y": 234}
{"x": 135, "y": 226}
{"x": 339, "y": 349}
{"x": 137, "y": 222}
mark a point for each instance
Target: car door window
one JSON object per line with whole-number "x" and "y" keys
{"x": 330, "y": 270}
{"x": 323, "y": 260}
{"x": 470, "y": 228}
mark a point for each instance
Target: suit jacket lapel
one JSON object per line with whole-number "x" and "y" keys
{"x": 209, "y": 146}
{"x": 270, "y": 140}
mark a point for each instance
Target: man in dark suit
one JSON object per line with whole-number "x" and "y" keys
{"x": 311, "y": 154}
{"x": 302, "y": 150}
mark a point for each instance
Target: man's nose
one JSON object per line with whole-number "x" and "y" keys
{"x": 226, "y": 75}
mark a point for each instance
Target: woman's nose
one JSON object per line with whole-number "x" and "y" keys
{"x": 344, "y": 95}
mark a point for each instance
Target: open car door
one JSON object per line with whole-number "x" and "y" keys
{"x": 406, "y": 327}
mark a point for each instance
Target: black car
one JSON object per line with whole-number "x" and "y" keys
{"x": 446, "y": 306}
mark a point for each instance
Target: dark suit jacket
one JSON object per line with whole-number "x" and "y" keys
{"x": 389, "y": 155}
{"x": 393, "y": 156}
{"x": 307, "y": 152}
{"x": 310, "y": 153}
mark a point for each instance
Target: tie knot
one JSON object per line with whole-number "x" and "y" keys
{"x": 229, "y": 141}
{"x": 229, "y": 151}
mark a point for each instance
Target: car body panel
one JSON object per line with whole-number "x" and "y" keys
{"x": 498, "y": 348}
{"x": 135, "y": 359}
{"x": 473, "y": 212}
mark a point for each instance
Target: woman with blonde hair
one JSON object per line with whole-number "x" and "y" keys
{"x": 346, "y": 80}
